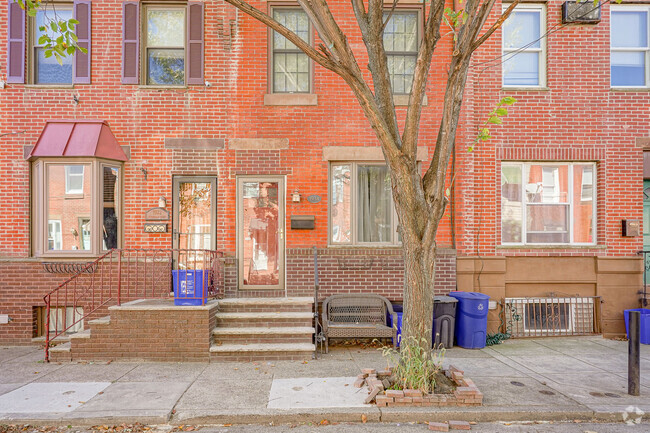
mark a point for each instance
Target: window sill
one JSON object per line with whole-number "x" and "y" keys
{"x": 630, "y": 89}
{"x": 551, "y": 247}
{"x": 49, "y": 86}
{"x": 287, "y": 99}
{"x": 145, "y": 87}
{"x": 525, "y": 89}
{"x": 403, "y": 100}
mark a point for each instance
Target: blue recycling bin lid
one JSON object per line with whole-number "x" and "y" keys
{"x": 473, "y": 296}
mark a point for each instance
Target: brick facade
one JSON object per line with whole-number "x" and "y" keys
{"x": 226, "y": 130}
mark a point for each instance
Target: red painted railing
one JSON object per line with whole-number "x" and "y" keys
{"x": 124, "y": 275}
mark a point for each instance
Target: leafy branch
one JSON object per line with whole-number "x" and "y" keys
{"x": 494, "y": 118}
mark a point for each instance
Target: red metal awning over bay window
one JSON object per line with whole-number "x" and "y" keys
{"x": 77, "y": 138}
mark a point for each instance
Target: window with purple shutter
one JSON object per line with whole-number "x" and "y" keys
{"x": 81, "y": 64}
{"x": 194, "y": 43}
{"x": 16, "y": 44}
{"x": 130, "y": 42}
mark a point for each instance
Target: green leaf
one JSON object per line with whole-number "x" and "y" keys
{"x": 55, "y": 26}
{"x": 82, "y": 49}
{"x": 73, "y": 21}
{"x": 501, "y": 111}
{"x": 58, "y": 58}
{"x": 495, "y": 120}
{"x": 508, "y": 100}
{"x": 43, "y": 40}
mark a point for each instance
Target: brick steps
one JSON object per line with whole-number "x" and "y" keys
{"x": 263, "y": 329}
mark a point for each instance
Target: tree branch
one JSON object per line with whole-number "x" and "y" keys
{"x": 390, "y": 14}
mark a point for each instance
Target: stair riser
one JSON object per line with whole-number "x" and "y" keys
{"x": 261, "y": 339}
{"x": 265, "y": 323}
{"x": 260, "y": 356}
{"x": 236, "y": 308}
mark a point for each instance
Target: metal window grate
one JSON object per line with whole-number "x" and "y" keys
{"x": 552, "y": 316}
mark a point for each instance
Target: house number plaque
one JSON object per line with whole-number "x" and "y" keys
{"x": 313, "y": 198}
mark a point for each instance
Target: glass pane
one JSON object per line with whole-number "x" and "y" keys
{"x": 522, "y": 29}
{"x": 521, "y": 69}
{"x": 43, "y": 18}
{"x": 583, "y": 209}
{"x": 68, "y": 216}
{"x": 48, "y": 71}
{"x": 628, "y": 68}
{"x": 548, "y": 184}
{"x": 74, "y": 179}
{"x": 195, "y": 215}
{"x": 511, "y": 206}
{"x": 340, "y": 204}
{"x": 166, "y": 67}
{"x": 295, "y": 20}
{"x": 261, "y": 246}
{"x": 110, "y": 204}
{"x": 401, "y": 70}
{"x": 401, "y": 32}
{"x": 374, "y": 211}
{"x": 547, "y": 223}
{"x": 166, "y": 28}
{"x": 291, "y": 72}
{"x": 629, "y": 29}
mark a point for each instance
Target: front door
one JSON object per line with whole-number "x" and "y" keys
{"x": 195, "y": 215}
{"x": 260, "y": 232}
{"x": 646, "y": 228}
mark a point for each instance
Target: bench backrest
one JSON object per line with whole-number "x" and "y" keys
{"x": 361, "y": 308}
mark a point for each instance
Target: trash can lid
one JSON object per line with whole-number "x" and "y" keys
{"x": 445, "y": 299}
{"x": 469, "y": 295}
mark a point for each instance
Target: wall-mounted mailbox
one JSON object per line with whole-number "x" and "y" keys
{"x": 305, "y": 222}
{"x": 630, "y": 228}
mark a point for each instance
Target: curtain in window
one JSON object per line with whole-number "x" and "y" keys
{"x": 374, "y": 212}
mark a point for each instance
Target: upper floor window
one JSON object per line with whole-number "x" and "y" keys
{"x": 172, "y": 45}
{"x": 361, "y": 205}
{"x": 548, "y": 203}
{"x": 524, "y": 47}
{"x": 25, "y": 46}
{"x": 291, "y": 68}
{"x": 164, "y": 47}
{"x": 47, "y": 70}
{"x": 401, "y": 45}
{"x": 630, "y": 51}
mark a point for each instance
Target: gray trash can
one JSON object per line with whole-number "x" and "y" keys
{"x": 444, "y": 321}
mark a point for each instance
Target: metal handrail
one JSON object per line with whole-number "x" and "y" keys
{"x": 124, "y": 275}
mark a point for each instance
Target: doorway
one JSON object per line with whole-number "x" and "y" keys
{"x": 260, "y": 232}
{"x": 194, "y": 213}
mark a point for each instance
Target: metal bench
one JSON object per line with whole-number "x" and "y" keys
{"x": 357, "y": 316}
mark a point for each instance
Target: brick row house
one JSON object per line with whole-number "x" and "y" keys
{"x": 237, "y": 142}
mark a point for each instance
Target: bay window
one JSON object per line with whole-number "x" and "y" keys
{"x": 361, "y": 205}
{"x": 548, "y": 203}
{"x": 77, "y": 206}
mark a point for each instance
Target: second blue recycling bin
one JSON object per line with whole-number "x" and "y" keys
{"x": 471, "y": 319}
{"x": 644, "y": 324}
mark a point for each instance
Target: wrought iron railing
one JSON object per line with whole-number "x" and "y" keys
{"x": 123, "y": 275}
{"x": 552, "y": 316}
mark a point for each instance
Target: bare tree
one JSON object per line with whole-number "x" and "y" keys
{"x": 420, "y": 201}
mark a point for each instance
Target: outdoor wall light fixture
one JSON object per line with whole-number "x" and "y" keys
{"x": 162, "y": 202}
{"x": 295, "y": 197}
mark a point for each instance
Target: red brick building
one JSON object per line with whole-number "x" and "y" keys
{"x": 235, "y": 133}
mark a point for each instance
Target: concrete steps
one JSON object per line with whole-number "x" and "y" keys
{"x": 263, "y": 329}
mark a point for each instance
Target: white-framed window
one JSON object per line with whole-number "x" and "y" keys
{"x": 401, "y": 41}
{"x": 76, "y": 206}
{"x": 630, "y": 46}
{"x": 291, "y": 69}
{"x": 524, "y": 47}
{"x": 74, "y": 179}
{"x": 362, "y": 212}
{"x": 548, "y": 203}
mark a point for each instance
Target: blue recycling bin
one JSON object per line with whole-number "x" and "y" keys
{"x": 400, "y": 313}
{"x": 190, "y": 287}
{"x": 644, "y": 324}
{"x": 471, "y": 319}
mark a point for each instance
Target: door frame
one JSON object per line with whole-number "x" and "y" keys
{"x": 281, "y": 180}
{"x": 176, "y": 181}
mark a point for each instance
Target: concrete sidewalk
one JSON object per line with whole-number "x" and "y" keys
{"x": 529, "y": 379}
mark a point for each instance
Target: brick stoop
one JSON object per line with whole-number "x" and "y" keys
{"x": 263, "y": 329}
